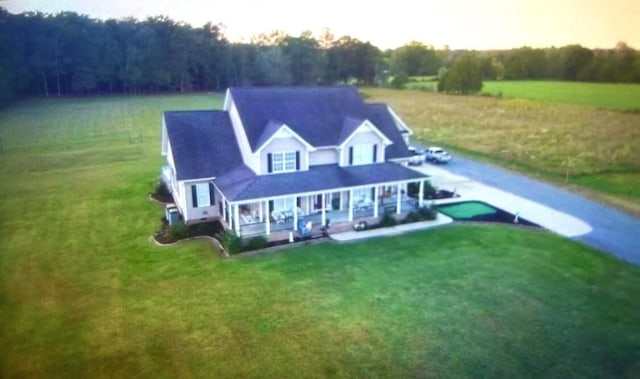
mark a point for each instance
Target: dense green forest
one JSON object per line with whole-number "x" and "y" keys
{"x": 66, "y": 53}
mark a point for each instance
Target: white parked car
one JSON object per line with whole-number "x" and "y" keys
{"x": 417, "y": 156}
{"x": 437, "y": 155}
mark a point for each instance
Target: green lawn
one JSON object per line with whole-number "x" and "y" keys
{"x": 598, "y": 95}
{"x": 623, "y": 97}
{"x": 85, "y": 294}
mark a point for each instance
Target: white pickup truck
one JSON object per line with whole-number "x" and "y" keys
{"x": 437, "y": 155}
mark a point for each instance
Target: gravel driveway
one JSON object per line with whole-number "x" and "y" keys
{"x": 612, "y": 231}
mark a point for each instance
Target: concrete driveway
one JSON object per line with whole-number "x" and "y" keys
{"x": 556, "y": 209}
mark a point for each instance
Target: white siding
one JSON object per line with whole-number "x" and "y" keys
{"x": 323, "y": 156}
{"x": 172, "y": 165}
{"x": 165, "y": 138}
{"x": 192, "y": 214}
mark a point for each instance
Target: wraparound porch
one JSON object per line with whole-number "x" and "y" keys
{"x": 305, "y": 212}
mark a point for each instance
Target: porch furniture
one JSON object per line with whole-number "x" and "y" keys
{"x": 278, "y": 217}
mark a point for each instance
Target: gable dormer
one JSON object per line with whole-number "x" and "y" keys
{"x": 281, "y": 149}
{"x": 361, "y": 142}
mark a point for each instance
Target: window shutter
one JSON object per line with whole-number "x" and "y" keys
{"x": 269, "y": 161}
{"x": 270, "y": 206}
{"x": 350, "y": 155}
{"x": 375, "y": 153}
{"x": 373, "y": 193}
{"x": 297, "y": 160}
{"x": 194, "y": 196}
{"x": 212, "y": 194}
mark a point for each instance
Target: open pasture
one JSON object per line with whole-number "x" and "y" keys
{"x": 621, "y": 97}
{"x": 588, "y": 148}
{"x": 624, "y": 97}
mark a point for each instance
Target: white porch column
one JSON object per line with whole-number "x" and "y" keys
{"x": 236, "y": 218}
{"x": 398, "y": 199}
{"x": 268, "y": 218}
{"x": 324, "y": 212}
{"x": 375, "y": 201}
{"x": 224, "y": 208}
{"x": 295, "y": 213}
{"x": 350, "y": 205}
{"x": 260, "y": 212}
{"x": 421, "y": 193}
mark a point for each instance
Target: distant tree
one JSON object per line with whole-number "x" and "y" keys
{"x": 465, "y": 76}
{"x": 43, "y": 54}
{"x": 524, "y": 63}
{"x": 415, "y": 58}
{"x": 575, "y": 59}
{"x": 306, "y": 61}
{"x": 271, "y": 67}
{"x": 351, "y": 59}
{"x": 442, "y": 72}
{"x": 275, "y": 38}
{"x": 399, "y": 80}
{"x": 498, "y": 69}
{"x": 326, "y": 39}
{"x": 83, "y": 80}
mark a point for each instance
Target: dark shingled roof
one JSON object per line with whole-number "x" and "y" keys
{"x": 243, "y": 184}
{"x": 272, "y": 127}
{"x": 203, "y": 143}
{"x": 349, "y": 126}
{"x": 317, "y": 114}
{"x": 379, "y": 115}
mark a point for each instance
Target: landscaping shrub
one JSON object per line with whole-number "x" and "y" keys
{"x": 411, "y": 217}
{"x": 399, "y": 81}
{"x": 162, "y": 190}
{"x": 178, "y": 231}
{"x": 388, "y": 220}
{"x": 428, "y": 212}
{"x": 231, "y": 242}
{"x": 257, "y": 243}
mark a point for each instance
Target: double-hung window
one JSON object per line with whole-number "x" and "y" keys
{"x": 202, "y": 195}
{"x": 285, "y": 161}
{"x": 362, "y": 154}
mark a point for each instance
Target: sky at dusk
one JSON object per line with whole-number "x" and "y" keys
{"x": 460, "y": 24}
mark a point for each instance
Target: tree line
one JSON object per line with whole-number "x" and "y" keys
{"x": 68, "y": 53}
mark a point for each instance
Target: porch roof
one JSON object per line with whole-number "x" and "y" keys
{"x": 242, "y": 184}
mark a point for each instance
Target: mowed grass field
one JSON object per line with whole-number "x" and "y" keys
{"x": 85, "y": 294}
{"x": 613, "y": 96}
{"x": 624, "y": 97}
{"x": 589, "y": 149}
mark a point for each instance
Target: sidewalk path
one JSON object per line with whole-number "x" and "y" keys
{"x": 394, "y": 230}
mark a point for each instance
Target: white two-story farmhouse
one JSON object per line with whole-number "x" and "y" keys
{"x": 275, "y": 155}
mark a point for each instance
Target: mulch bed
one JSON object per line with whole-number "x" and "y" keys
{"x": 210, "y": 229}
{"x": 161, "y": 198}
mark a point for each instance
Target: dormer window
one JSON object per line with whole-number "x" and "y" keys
{"x": 362, "y": 154}
{"x": 285, "y": 161}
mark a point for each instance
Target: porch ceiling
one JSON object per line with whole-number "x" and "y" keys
{"x": 322, "y": 178}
